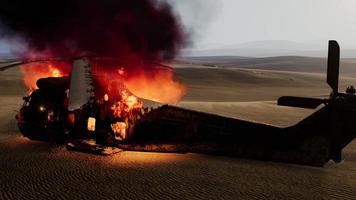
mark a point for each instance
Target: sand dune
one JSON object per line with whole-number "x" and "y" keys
{"x": 221, "y": 85}
{"x": 36, "y": 170}
{"x": 278, "y": 63}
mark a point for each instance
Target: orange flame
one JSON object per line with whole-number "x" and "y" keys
{"x": 119, "y": 130}
{"x": 153, "y": 84}
{"x": 127, "y": 111}
{"x": 34, "y": 71}
{"x": 158, "y": 85}
{"x": 124, "y": 107}
{"x": 123, "y": 90}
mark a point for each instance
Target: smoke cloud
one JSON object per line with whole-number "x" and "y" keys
{"x": 197, "y": 16}
{"x": 130, "y": 29}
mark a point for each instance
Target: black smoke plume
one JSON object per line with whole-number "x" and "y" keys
{"x": 144, "y": 29}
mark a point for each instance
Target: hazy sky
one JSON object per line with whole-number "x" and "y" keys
{"x": 239, "y": 21}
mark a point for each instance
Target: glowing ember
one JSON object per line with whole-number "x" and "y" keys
{"x": 106, "y": 97}
{"x": 119, "y": 130}
{"x": 91, "y": 124}
{"x": 121, "y": 71}
{"x": 71, "y": 118}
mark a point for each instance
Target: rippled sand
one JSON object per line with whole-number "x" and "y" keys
{"x": 36, "y": 170}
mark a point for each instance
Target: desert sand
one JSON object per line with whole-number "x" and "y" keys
{"x": 37, "y": 170}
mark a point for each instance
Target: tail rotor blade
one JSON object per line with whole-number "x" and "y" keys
{"x": 333, "y": 66}
{"x": 300, "y": 102}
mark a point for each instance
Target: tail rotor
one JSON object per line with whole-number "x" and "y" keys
{"x": 332, "y": 79}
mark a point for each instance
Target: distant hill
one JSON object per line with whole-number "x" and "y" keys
{"x": 258, "y": 52}
{"x": 280, "y": 44}
{"x": 280, "y": 63}
{"x": 270, "y": 48}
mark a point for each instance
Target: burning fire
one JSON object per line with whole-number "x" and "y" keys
{"x": 134, "y": 30}
{"x": 124, "y": 90}
{"x": 119, "y": 129}
{"x": 156, "y": 85}
{"x": 127, "y": 110}
{"x": 120, "y": 92}
{"x": 34, "y": 71}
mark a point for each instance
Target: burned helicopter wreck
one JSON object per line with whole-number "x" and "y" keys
{"x": 76, "y": 116}
{"x": 68, "y": 108}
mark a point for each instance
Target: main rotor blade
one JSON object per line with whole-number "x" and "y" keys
{"x": 81, "y": 89}
{"x": 333, "y": 66}
{"x": 5, "y": 66}
{"x": 301, "y": 102}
